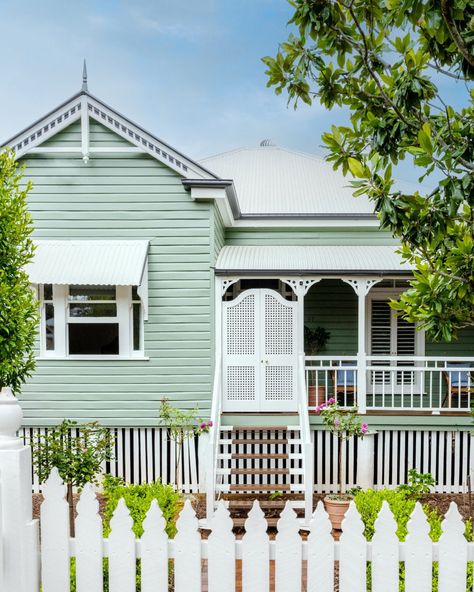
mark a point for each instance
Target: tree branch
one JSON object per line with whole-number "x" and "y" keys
{"x": 453, "y": 30}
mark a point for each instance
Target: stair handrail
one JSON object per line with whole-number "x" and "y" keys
{"x": 306, "y": 443}
{"x": 216, "y": 409}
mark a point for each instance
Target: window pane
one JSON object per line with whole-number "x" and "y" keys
{"x": 49, "y": 323}
{"x": 92, "y": 310}
{"x": 95, "y": 339}
{"x": 48, "y": 292}
{"x": 85, "y": 293}
{"x": 136, "y": 327}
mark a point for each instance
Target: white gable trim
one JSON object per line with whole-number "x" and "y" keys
{"x": 46, "y": 127}
{"x": 30, "y": 139}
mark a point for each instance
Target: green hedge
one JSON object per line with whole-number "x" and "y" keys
{"x": 402, "y": 504}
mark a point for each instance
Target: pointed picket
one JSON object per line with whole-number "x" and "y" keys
{"x": 418, "y": 552}
{"x": 385, "y": 554}
{"x": 122, "y": 557}
{"x": 320, "y": 552}
{"x": 255, "y": 552}
{"x": 89, "y": 576}
{"x": 187, "y": 552}
{"x": 55, "y": 536}
{"x": 288, "y": 552}
{"x": 221, "y": 552}
{"x": 353, "y": 553}
{"x": 154, "y": 551}
{"x": 452, "y": 553}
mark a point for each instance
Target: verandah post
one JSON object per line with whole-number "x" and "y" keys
{"x": 19, "y": 533}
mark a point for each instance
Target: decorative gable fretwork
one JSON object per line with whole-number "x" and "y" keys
{"x": 43, "y": 129}
{"x": 30, "y": 140}
{"x": 136, "y": 136}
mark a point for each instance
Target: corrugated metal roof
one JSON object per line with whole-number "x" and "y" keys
{"x": 272, "y": 180}
{"x": 104, "y": 262}
{"x": 314, "y": 259}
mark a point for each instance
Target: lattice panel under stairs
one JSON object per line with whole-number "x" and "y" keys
{"x": 259, "y": 460}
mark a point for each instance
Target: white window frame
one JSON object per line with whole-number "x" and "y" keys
{"x": 124, "y": 318}
{"x": 391, "y": 294}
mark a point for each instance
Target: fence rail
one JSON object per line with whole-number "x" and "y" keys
{"x": 447, "y": 454}
{"x": 188, "y": 563}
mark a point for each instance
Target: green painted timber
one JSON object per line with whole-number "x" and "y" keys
{"x": 128, "y": 197}
{"x": 308, "y": 236}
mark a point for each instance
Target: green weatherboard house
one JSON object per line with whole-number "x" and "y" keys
{"x": 161, "y": 276}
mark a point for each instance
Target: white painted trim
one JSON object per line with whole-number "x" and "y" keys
{"x": 124, "y": 319}
{"x": 305, "y": 222}
{"x": 93, "y": 358}
{"x": 84, "y": 130}
{"x": 78, "y": 150}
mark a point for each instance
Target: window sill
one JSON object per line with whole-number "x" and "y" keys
{"x": 94, "y": 358}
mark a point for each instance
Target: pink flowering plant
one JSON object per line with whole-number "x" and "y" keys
{"x": 345, "y": 424}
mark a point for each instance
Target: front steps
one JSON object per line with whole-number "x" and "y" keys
{"x": 259, "y": 462}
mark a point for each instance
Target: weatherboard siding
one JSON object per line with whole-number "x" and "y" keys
{"x": 128, "y": 197}
{"x": 308, "y": 236}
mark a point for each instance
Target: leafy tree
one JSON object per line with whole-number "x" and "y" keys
{"x": 77, "y": 451}
{"x": 18, "y": 307}
{"x": 385, "y": 60}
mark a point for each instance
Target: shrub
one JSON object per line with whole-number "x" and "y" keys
{"x": 18, "y": 305}
{"x": 138, "y": 499}
{"x": 418, "y": 484}
{"x": 402, "y": 503}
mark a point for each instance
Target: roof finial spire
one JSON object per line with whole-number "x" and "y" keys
{"x": 84, "y": 76}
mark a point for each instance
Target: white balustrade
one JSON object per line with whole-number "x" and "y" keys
{"x": 396, "y": 383}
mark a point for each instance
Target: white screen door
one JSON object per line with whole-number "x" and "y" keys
{"x": 260, "y": 352}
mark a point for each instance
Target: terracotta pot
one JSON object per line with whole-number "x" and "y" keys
{"x": 336, "y": 510}
{"x": 316, "y": 395}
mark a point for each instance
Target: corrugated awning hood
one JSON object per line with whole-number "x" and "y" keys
{"x": 310, "y": 259}
{"x": 99, "y": 262}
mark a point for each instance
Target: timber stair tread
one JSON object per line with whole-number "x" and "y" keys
{"x": 265, "y": 441}
{"x": 261, "y": 428}
{"x": 240, "y": 522}
{"x": 260, "y": 487}
{"x": 255, "y": 456}
{"x": 260, "y": 471}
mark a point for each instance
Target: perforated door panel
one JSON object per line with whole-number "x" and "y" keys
{"x": 259, "y": 346}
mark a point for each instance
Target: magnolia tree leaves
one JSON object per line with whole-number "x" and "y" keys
{"x": 387, "y": 61}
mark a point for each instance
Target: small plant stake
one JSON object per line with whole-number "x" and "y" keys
{"x": 182, "y": 426}
{"x": 345, "y": 424}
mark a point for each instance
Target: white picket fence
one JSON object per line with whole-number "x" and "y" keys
{"x": 210, "y": 564}
{"x": 142, "y": 455}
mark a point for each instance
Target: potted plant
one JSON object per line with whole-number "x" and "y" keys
{"x": 314, "y": 341}
{"x": 345, "y": 424}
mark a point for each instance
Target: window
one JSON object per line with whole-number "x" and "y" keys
{"x": 390, "y": 337}
{"x": 84, "y": 321}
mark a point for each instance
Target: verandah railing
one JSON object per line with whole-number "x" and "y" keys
{"x": 425, "y": 383}
{"x": 191, "y": 563}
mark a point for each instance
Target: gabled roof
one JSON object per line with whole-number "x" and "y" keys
{"x": 84, "y": 103}
{"x": 275, "y": 182}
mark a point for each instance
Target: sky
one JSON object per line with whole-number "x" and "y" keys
{"x": 188, "y": 71}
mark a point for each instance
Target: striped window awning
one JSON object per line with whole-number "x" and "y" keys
{"x": 311, "y": 259}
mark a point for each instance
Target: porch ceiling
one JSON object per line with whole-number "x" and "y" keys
{"x": 314, "y": 259}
